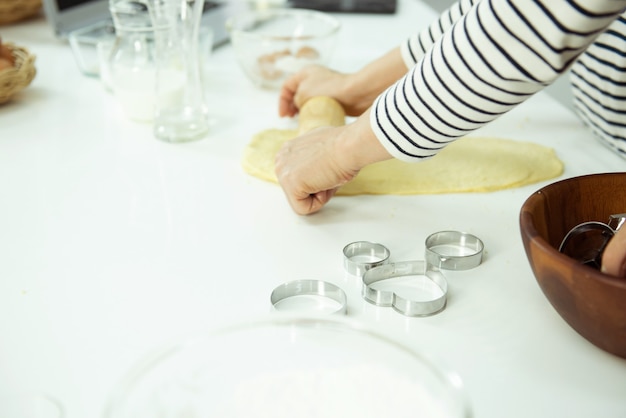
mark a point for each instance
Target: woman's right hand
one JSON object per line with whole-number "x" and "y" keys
{"x": 310, "y": 168}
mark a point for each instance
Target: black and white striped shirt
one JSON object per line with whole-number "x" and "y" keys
{"x": 481, "y": 58}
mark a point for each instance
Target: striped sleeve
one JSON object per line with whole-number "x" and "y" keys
{"x": 598, "y": 80}
{"x": 493, "y": 57}
{"x": 415, "y": 47}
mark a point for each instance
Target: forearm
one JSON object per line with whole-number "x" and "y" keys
{"x": 358, "y": 146}
{"x": 361, "y": 88}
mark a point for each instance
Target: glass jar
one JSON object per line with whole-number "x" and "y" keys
{"x": 180, "y": 112}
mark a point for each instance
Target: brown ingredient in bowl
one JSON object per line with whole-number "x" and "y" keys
{"x": 307, "y": 52}
{"x": 267, "y": 64}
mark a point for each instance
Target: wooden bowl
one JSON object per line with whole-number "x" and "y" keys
{"x": 592, "y": 303}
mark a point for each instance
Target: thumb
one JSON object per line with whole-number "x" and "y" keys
{"x": 614, "y": 256}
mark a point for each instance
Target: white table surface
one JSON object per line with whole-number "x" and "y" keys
{"x": 112, "y": 242}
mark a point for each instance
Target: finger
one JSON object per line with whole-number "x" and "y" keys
{"x": 299, "y": 98}
{"x": 285, "y": 103}
{"x": 312, "y": 203}
{"x": 302, "y": 198}
{"x": 614, "y": 256}
{"x": 288, "y": 91}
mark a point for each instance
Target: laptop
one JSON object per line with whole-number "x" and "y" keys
{"x": 66, "y": 16}
{"x": 348, "y": 6}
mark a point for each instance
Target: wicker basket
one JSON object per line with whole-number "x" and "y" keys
{"x": 12, "y": 11}
{"x": 12, "y": 80}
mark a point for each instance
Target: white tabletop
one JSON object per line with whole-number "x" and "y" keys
{"x": 113, "y": 242}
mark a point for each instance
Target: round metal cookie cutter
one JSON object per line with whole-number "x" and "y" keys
{"x": 436, "y": 285}
{"x": 323, "y": 293}
{"x": 360, "y": 256}
{"x": 454, "y": 250}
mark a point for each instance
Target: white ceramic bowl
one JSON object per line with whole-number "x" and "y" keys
{"x": 287, "y": 366}
{"x": 272, "y": 44}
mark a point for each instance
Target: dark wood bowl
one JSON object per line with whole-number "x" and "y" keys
{"x": 592, "y": 303}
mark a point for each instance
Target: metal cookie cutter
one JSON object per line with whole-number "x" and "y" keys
{"x": 327, "y": 298}
{"x": 454, "y": 250}
{"x": 432, "y": 292}
{"x": 360, "y": 256}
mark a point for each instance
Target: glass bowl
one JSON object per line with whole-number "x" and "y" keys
{"x": 288, "y": 366}
{"x": 272, "y": 44}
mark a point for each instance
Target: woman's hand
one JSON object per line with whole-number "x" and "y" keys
{"x": 614, "y": 256}
{"x": 319, "y": 81}
{"x": 354, "y": 91}
{"x": 311, "y": 167}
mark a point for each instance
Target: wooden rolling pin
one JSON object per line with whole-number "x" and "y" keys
{"x": 320, "y": 111}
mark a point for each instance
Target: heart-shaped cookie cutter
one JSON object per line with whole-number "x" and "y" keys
{"x": 401, "y": 304}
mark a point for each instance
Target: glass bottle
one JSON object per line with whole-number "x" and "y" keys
{"x": 181, "y": 112}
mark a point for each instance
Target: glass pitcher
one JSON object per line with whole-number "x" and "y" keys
{"x": 132, "y": 65}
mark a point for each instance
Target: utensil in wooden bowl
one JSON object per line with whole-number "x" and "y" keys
{"x": 592, "y": 303}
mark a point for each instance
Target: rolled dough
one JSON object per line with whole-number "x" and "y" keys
{"x": 470, "y": 164}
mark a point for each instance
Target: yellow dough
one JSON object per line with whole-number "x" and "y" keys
{"x": 470, "y": 164}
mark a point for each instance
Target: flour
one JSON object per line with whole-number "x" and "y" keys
{"x": 364, "y": 391}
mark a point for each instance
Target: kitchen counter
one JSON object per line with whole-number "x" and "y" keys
{"x": 113, "y": 242}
